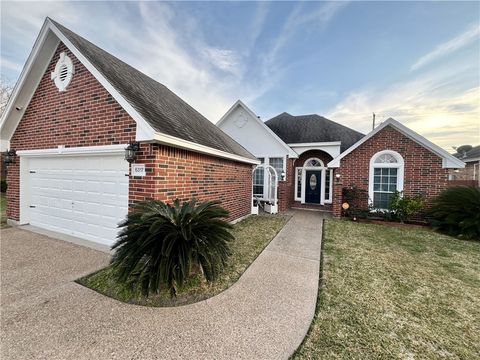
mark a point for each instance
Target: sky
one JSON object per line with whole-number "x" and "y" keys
{"x": 418, "y": 62}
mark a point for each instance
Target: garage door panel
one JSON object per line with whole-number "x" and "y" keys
{"x": 82, "y": 196}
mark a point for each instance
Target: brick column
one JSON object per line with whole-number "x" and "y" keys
{"x": 337, "y": 194}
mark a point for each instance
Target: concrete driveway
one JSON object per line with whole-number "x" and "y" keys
{"x": 265, "y": 315}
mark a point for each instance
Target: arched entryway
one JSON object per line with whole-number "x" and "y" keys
{"x": 313, "y": 179}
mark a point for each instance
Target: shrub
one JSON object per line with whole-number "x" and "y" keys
{"x": 160, "y": 244}
{"x": 357, "y": 200}
{"x": 404, "y": 207}
{"x": 456, "y": 211}
{"x": 3, "y": 186}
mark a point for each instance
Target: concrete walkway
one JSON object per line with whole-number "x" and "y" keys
{"x": 265, "y": 315}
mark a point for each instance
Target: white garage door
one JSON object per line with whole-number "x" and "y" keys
{"x": 83, "y": 196}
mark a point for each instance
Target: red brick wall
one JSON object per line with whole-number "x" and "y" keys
{"x": 176, "y": 173}
{"x": 423, "y": 173}
{"x": 286, "y": 189}
{"x": 87, "y": 115}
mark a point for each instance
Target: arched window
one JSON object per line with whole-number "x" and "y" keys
{"x": 386, "y": 177}
{"x": 313, "y": 162}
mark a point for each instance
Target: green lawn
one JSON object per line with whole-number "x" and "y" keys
{"x": 251, "y": 237}
{"x": 392, "y": 293}
{"x": 3, "y": 215}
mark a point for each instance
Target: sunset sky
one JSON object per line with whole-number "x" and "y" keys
{"x": 418, "y": 62}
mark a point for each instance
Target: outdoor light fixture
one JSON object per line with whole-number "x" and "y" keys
{"x": 131, "y": 151}
{"x": 282, "y": 175}
{"x": 338, "y": 176}
{"x": 9, "y": 156}
{"x": 456, "y": 171}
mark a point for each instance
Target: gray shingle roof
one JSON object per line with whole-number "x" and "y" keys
{"x": 312, "y": 128}
{"x": 473, "y": 153}
{"x": 160, "y": 107}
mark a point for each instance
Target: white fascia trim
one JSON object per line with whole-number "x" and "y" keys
{"x": 448, "y": 160}
{"x": 144, "y": 130}
{"x": 329, "y": 143}
{"x": 291, "y": 153}
{"x": 83, "y": 150}
{"x": 188, "y": 145}
{"x": 23, "y": 75}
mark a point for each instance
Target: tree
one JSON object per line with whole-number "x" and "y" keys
{"x": 6, "y": 88}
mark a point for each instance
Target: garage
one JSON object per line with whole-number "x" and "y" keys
{"x": 80, "y": 195}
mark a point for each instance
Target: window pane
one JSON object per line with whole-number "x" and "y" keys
{"x": 327, "y": 185}
{"x": 299, "y": 183}
{"x": 277, "y": 164}
{"x": 377, "y": 171}
{"x": 258, "y": 176}
{"x": 393, "y": 171}
{"x": 258, "y": 190}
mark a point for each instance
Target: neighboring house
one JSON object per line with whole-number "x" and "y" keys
{"x": 470, "y": 155}
{"x": 319, "y": 157}
{"x": 73, "y": 112}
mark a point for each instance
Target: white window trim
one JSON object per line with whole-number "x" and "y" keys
{"x": 400, "y": 164}
{"x": 329, "y": 200}
{"x": 266, "y": 161}
{"x": 296, "y": 184}
{"x": 284, "y": 165}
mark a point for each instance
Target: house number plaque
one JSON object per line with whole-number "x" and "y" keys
{"x": 138, "y": 170}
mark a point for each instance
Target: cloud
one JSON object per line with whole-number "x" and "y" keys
{"x": 319, "y": 17}
{"x": 9, "y": 64}
{"x": 147, "y": 35}
{"x": 440, "y": 104}
{"x": 448, "y": 47}
{"x": 223, "y": 59}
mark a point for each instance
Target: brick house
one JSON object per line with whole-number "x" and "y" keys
{"x": 74, "y": 111}
{"x": 470, "y": 175}
{"x": 315, "y": 158}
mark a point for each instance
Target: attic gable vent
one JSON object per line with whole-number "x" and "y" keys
{"x": 64, "y": 70}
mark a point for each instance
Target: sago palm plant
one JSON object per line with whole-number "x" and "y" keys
{"x": 159, "y": 244}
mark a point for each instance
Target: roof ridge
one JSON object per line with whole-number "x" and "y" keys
{"x": 163, "y": 110}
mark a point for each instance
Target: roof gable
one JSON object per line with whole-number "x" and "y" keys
{"x": 226, "y": 123}
{"x": 448, "y": 160}
{"x": 160, "y": 114}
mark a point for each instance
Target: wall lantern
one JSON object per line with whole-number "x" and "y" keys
{"x": 9, "y": 157}
{"x": 282, "y": 175}
{"x": 131, "y": 151}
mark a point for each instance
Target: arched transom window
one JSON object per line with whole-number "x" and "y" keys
{"x": 386, "y": 177}
{"x": 313, "y": 162}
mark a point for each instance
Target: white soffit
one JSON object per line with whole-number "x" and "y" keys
{"x": 33, "y": 71}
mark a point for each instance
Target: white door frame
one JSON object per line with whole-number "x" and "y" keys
{"x": 322, "y": 169}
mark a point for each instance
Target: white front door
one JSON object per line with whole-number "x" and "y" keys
{"x": 84, "y": 196}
